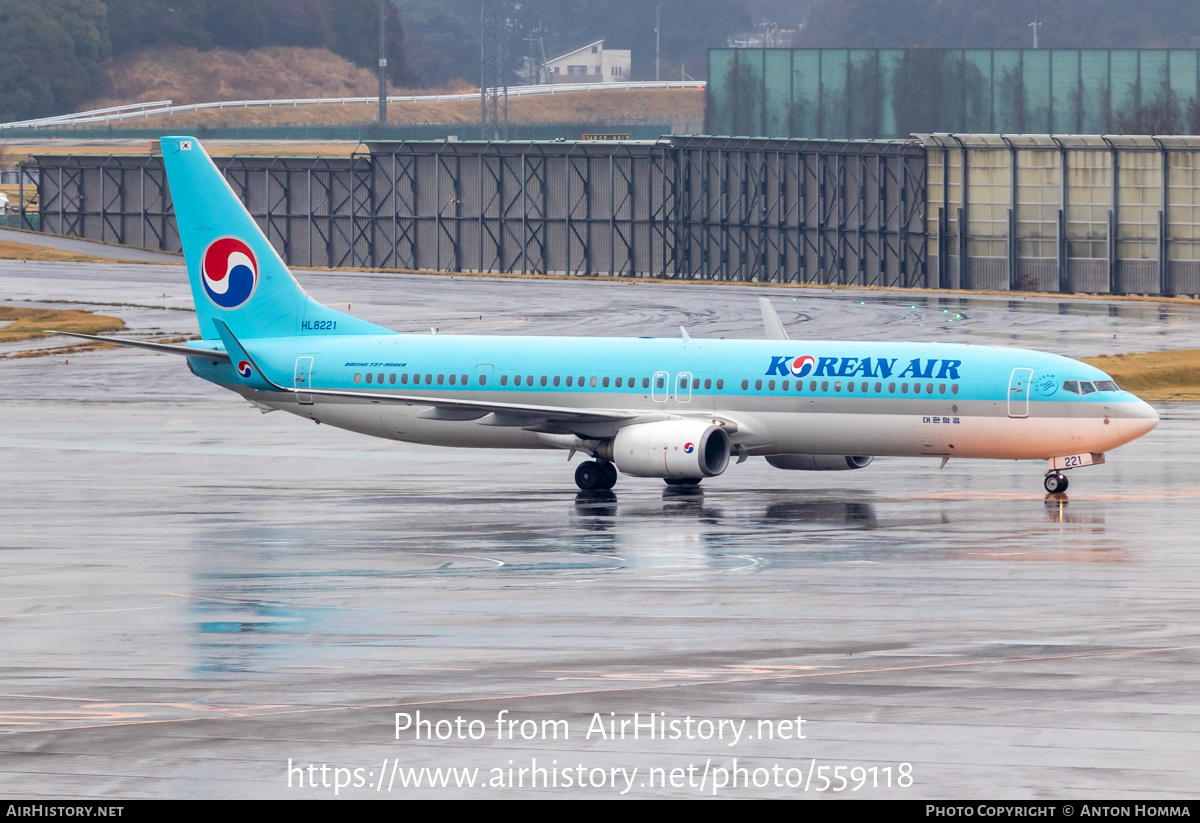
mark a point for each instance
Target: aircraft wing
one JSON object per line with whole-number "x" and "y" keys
{"x": 503, "y": 411}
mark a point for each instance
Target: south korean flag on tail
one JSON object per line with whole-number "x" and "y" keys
{"x": 185, "y": 145}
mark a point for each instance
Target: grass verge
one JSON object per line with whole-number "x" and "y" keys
{"x": 31, "y": 323}
{"x": 26, "y": 251}
{"x": 1157, "y": 377}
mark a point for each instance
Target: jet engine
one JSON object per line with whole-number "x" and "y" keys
{"x": 818, "y": 462}
{"x": 670, "y": 448}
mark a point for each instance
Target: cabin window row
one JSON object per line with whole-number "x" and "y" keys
{"x": 602, "y": 382}
{"x": 571, "y": 381}
{"x": 403, "y": 379}
{"x": 529, "y": 380}
{"x": 858, "y": 388}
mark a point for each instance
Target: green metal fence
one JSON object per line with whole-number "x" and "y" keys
{"x": 14, "y": 220}
{"x": 890, "y": 93}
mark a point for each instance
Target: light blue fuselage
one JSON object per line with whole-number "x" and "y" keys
{"x": 988, "y": 411}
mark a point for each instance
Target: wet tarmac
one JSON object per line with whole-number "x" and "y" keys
{"x": 197, "y": 596}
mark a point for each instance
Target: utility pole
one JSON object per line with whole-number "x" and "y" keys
{"x": 657, "y": 28}
{"x": 1035, "y": 25}
{"x": 382, "y": 62}
{"x": 535, "y": 63}
{"x": 493, "y": 70}
{"x": 769, "y": 28}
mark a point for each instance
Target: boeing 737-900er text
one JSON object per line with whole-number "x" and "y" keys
{"x": 674, "y": 408}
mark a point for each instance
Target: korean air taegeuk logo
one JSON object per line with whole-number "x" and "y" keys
{"x": 229, "y": 272}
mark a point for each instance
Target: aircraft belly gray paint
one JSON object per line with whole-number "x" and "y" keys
{"x": 868, "y": 426}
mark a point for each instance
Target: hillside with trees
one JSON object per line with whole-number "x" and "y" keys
{"x": 62, "y": 54}
{"x": 58, "y": 52}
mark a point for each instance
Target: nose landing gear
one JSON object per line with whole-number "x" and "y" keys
{"x": 1055, "y": 482}
{"x": 596, "y": 475}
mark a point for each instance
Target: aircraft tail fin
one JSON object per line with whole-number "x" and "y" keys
{"x": 236, "y": 275}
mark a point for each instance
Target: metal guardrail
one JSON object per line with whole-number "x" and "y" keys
{"x": 129, "y": 110}
{"x": 164, "y": 107}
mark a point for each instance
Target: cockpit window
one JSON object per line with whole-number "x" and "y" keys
{"x": 1088, "y": 387}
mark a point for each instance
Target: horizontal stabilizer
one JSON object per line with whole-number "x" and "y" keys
{"x": 162, "y": 348}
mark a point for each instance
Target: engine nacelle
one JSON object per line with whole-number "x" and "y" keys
{"x": 818, "y": 462}
{"x": 670, "y": 448}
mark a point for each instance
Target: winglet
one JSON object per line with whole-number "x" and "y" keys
{"x": 771, "y": 324}
{"x": 249, "y": 373}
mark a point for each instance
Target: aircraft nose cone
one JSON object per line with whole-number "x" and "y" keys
{"x": 1136, "y": 419}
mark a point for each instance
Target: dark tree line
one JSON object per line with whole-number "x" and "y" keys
{"x": 1090, "y": 24}
{"x": 55, "y": 49}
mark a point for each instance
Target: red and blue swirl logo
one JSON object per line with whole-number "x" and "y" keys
{"x": 244, "y": 369}
{"x": 802, "y": 366}
{"x": 229, "y": 271}
{"x": 689, "y": 447}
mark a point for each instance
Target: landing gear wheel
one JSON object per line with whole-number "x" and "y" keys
{"x": 608, "y": 475}
{"x": 682, "y": 481}
{"x": 1056, "y": 482}
{"x": 589, "y": 476}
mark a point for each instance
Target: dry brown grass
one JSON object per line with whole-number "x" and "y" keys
{"x": 27, "y": 251}
{"x": 601, "y": 107}
{"x": 1154, "y": 376}
{"x": 13, "y": 190}
{"x": 32, "y": 323}
{"x": 189, "y": 76}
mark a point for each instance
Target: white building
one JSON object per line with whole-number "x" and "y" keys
{"x": 591, "y": 64}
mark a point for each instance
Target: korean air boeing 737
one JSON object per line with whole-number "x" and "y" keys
{"x": 678, "y": 409}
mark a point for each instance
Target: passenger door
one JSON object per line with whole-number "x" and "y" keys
{"x": 302, "y": 379}
{"x": 659, "y": 388}
{"x": 1018, "y": 392}
{"x": 683, "y": 387}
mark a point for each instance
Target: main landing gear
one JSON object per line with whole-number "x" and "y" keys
{"x": 1056, "y": 482}
{"x": 596, "y": 475}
